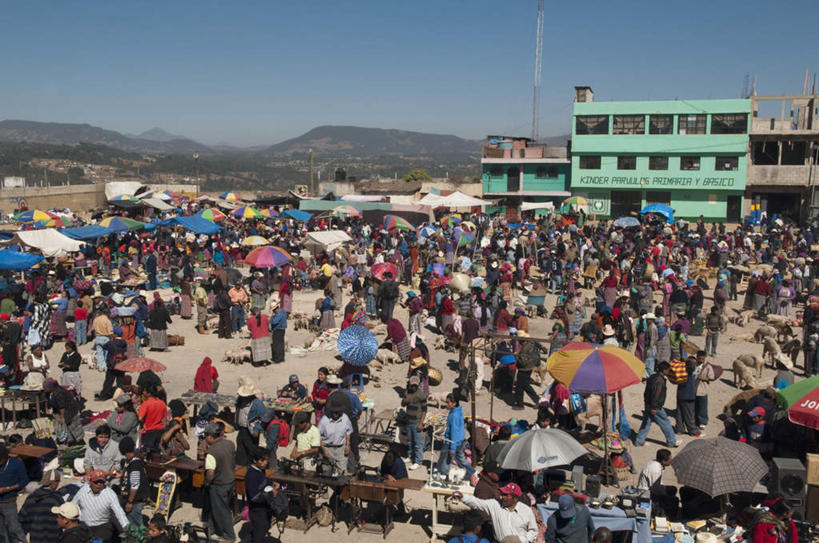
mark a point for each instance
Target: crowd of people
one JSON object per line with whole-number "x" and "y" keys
{"x": 647, "y": 289}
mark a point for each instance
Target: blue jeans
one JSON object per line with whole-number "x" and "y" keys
{"x": 711, "y": 339}
{"x": 444, "y": 460}
{"x": 556, "y": 281}
{"x": 661, "y": 418}
{"x": 99, "y": 342}
{"x": 135, "y": 516}
{"x": 237, "y": 317}
{"x": 649, "y": 361}
{"x": 415, "y": 443}
{"x": 80, "y": 332}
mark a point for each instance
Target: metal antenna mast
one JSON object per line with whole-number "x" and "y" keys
{"x": 538, "y": 63}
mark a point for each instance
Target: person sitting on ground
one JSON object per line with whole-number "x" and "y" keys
{"x": 293, "y": 390}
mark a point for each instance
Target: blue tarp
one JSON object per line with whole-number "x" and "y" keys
{"x": 195, "y": 224}
{"x": 661, "y": 209}
{"x": 298, "y": 215}
{"x": 92, "y": 231}
{"x": 18, "y": 261}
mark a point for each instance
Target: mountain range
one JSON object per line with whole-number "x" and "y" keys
{"x": 351, "y": 141}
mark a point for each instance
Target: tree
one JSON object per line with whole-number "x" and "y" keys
{"x": 76, "y": 172}
{"x": 418, "y": 174}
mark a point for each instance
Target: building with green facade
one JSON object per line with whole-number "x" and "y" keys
{"x": 516, "y": 171}
{"x": 689, "y": 154}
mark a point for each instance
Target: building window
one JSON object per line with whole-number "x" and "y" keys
{"x": 546, "y": 173}
{"x": 626, "y": 162}
{"x": 592, "y": 124}
{"x": 691, "y": 124}
{"x": 733, "y": 123}
{"x": 658, "y": 163}
{"x": 658, "y": 197}
{"x": 726, "y": 163}
{"x": 689, "y": 163}
{"x": 589, "y": 162}
{"x": 495, "y": 171}
{"x": 660, "y": 124}
{"x": 629, "y": 124}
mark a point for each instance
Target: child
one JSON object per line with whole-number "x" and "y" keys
{"x": 80, "y": 323}
{"x": 156, "y": 530}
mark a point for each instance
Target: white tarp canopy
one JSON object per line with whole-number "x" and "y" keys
{"x": 156, "y": 203}
{"x": 536, "y": 205}
{"x": 327, "y": 239}
{"x": 456, "y": 199}
{"x": 362, "y": 198}
{"x": 118, "y": 188}
{"x": 48, "y": 241}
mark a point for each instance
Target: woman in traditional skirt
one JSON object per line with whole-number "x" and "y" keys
{"x": 328, "y": 319}
{"x": 158, "y": 321}
{"x": 398, "y": 335}
{"x": 59, "y": 308}
{"x": 186, "y": 304}
{"x": 259, "y": 324}
{"x": 286, "y": 296}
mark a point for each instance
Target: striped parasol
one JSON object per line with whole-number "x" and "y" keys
{"x": 122, "y": 224}
{"x": 212, "y": 215}
{"x": 802, "y": 401}
{"x": 34, "y": 215}
{"x": 452, "y": 219}
{"x": 346, "y": 211}
{"x": 230, "y": 197}
{"x": 595, "y": 369}
{"x": 394, "y": 222}
{"x": 269, "y": 212}
{"x": 246, "y": 212}
{"x": 268, "y": 256}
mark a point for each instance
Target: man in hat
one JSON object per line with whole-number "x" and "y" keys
{"x": 99, "y": 507}
{"x": 415, "y": 405}
{"x": 528, "y": 359}
{"x": 571, "y": 523}
{"x": 509, "y": 516}
{"x": 335, "y": 429}
{"x": 13, "y": 480}
{"x": 134, "y": 486}
{"x": 293, "y": 390}
{"x": 67, "y": 517}
{"x": 220, "y": 478}
{"x": 36, "y": 517}
{"x": 200, "y": 298}
{"x": 66, "y": 410}
{"x": 654, "y": 411}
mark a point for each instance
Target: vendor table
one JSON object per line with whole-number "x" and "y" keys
{"x": 198, "y": 399}
{"x": 389, "y": 493}
{"x": 30, "y": 451}
{"x": 614, "y": 519}
{"x": 24, "y": 397}
{"x": 437, "y": 529}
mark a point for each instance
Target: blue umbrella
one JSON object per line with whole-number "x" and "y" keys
{"x": 661, "y": 209}
{"x": 357, "y": 345}
{"x": 626, "y": 222}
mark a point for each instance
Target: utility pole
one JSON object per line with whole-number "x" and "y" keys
{"x": 196, "y": 166}
{"x": 538, "y": 64}
{"x": 312, "y": 165}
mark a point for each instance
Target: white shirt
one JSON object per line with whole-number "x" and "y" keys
{"x": 99, "y": 509}
{"x": 519, "y": 521}
{"x": 651, "y": 475}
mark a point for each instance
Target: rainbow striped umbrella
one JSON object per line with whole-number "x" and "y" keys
{"x": 346, "y": 210}
{"x": 595, "y": 369}
{"x": 121, "y": 224}
{"x": 454, "y": 218}
{"x": 254, "y": 241}
{"x": 464, "y": 238}
{"x": 246, "y": 212}
{"x": 34, "y": 215}
{"x": 56, "y": 222}
{"x": 466, "y": 225}
{"x": 124, "y": 198}
{"x": 230, "y": 196}
{"x": 394, "y": 222}
{"x": 212, "y": 215}
{"x": 268, "y": 256}
{"x": 270, "y": 213}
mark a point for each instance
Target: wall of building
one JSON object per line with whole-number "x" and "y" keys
{"x": 78, "y": 198}
{"x": 529, "y": 178}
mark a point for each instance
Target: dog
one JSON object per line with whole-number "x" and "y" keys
{"x": 386, "y": 356}
{"x": 764, "y": 331}
{"x": 770, "y": 350}
{"x": 792, "y": 348}
{"x": 594, "y": 409}
{"x": 90, "y": 360}
{"x": 742, "y": 370}
{"x": 238, "y": 356}
{"x": 742, "y": 337}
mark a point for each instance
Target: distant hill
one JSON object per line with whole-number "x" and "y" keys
{"x": 157, "y": 134}
{"x": 371, "y": 142}
{"x": 74, "y": 134}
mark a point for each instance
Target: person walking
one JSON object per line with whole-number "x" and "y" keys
{"x": 454, "y": 442}
{"x": 704, "y": 373}
{"x": 686, "y": 399}
{"x": 103, "y": 332}
{"x": 200, "y": 298}
{"x": 654, "y": 401}
{"x": 714, "y": 323}
{"x": 415, "y": 405}
{"x": 158, "y": 321}
{"x": 220, "y": 480}
{"x": 528, "y": 359}
{"x": 36, "y": 516}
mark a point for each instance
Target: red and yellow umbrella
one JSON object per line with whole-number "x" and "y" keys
{"x": 595, "y": 369}
{"x": 268, "y": 256}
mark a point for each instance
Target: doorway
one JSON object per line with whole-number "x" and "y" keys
{"x": 625, "y": 202}
{"x": 513, "y": 179}
{"x": 733, "y": 208}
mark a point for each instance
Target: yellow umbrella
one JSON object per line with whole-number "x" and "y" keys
{"x": 468, "y": 225}
{"x": 254, "y": 241}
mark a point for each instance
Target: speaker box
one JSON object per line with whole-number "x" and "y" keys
{"x": 593, "y": 486}
{"x": 789, "y": 478}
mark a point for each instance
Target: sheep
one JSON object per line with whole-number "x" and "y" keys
{"x": 764, "y": 331}
{"x": 386, "y": 356}
{"x": 742, "y": 367}
{"x": 238, "y": 356}
{"x": 770, "y": 350}
{"x": 743, "y": 318}
{"x": 594, "y": 409}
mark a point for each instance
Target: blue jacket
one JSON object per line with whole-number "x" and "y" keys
{"x": 14, "y": 473}
{"x": 279, "y": 320}
{"x": 455, "y": 431}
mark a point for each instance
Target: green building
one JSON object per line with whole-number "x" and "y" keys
{"x": 689, "y": 154}
{"x": 520, "y": 174}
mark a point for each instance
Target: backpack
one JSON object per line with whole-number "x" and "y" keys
{"x": 284, "y": 431}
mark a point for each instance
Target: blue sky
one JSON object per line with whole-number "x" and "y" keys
{"x": 255, "y": 73}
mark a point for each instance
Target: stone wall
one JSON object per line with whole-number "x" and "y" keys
{"x": 78, "y": 198}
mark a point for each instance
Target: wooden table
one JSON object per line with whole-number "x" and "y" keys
{"x": 437, "y": 529}
{"x": 198, "y": 399}
{"x": 23, "y": 396}
{"x": 389, "y": 493}
{"x": 30, "y": 451}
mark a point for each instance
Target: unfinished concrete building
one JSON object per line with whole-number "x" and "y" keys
{"x": 782, "y": 156}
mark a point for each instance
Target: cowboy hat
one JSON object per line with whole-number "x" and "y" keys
{"x": 608, "y": 330}
{"x": 333, "y": 380}
{"x": 246, "y": 387}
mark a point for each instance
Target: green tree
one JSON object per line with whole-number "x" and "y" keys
{"x": 418, "y": 174}
{"x": 76, "y": 172}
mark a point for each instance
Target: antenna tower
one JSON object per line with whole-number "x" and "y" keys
{"x": 538, "y": 63}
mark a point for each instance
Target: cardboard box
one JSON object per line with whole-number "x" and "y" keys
{"x": 812, "y": 464}
{"x": 812, "y": 506}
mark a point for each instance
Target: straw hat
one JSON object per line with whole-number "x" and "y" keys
{"x": 246, "y": 387}
{"x": 608, "y": 330}
{"x": 417, "y": 362}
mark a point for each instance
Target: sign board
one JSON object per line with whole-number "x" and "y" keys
{"x": 598, "y": 203}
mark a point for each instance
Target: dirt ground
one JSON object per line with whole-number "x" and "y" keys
{"x": 183, "y": 361}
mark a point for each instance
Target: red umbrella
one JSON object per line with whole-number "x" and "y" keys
{"x": 381, "y": 268}
{"x": 139, "y": 364}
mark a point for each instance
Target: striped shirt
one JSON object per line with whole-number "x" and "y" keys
{"x": 99, "y": 509}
